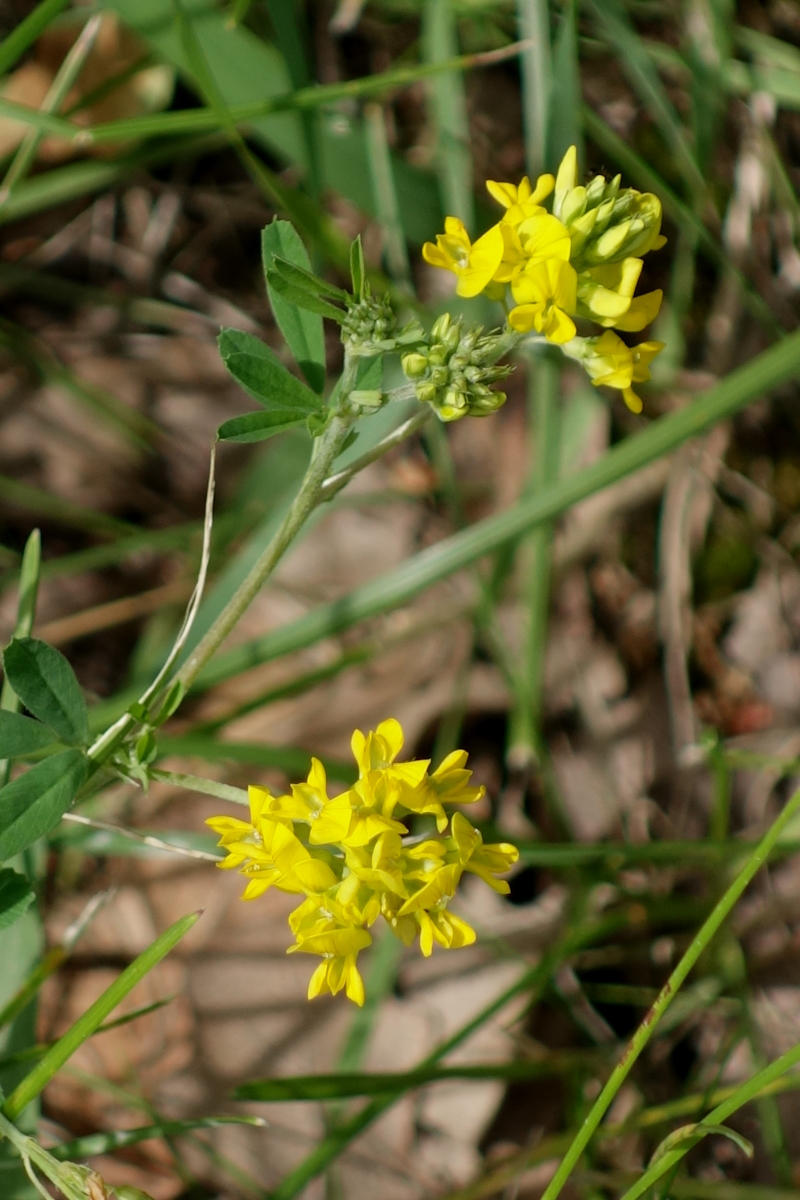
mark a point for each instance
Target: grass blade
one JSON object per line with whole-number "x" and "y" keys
{"x": 26, "y": 607}
{"x": 766, "y": 371}
{"x": 385, "y": 196}
{"x": 449, "y": 110}
{"x": 344, "y": 1085}
{"x": 537, "y": 80}
{"x": 637, "y": 64}
{"x": 85, "y": 1026}
{"x": 106, "y": 1143}
{"x": 26, "y": 33}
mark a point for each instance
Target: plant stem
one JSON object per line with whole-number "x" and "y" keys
{"x": 666, "y": 996}
{"x": 325, "y": 452}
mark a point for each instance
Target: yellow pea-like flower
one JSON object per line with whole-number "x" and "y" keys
{"x": 353, "y": 861}
{"x": 546, "y": 293}
{"x": 473, "y": 264}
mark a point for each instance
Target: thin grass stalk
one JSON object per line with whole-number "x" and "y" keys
{"x": 385, "y": 196}
{"x": 20, "y": 39}
{"x": 65, "y": 78}
{"x": 544, "y": 378}
{"x": 26, "y": 609}
{"x": 579, "y": 933}
{"x": 533, "y": 17}
{"x": 768, "y": 370}
{"x": 645, "y": 1031}
{"x": 449, "y": 111}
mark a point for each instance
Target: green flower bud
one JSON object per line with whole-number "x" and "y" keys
{"x": 414, "y": 365}
{"x": 573, "y": 205}
{"x": 426, "y": 392}
{"x": 440, "y": 327}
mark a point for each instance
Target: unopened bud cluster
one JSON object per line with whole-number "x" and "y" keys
{"x": 454, "y": 370}
{"x": 370, "y": 327}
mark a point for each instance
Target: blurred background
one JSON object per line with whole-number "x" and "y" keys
{"x": 664, "y": 708}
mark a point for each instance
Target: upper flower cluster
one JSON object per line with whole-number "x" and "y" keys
{"x": 352, "y": 859}
{"x": 579, "y": 259}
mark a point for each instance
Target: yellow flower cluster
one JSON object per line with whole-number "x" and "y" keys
{"x": 353, "y": 859}
{"x": 581, "y": 260}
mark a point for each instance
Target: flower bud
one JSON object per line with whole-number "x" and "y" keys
{"x": 440, "y": 327}
{"x": 414, "y": 365}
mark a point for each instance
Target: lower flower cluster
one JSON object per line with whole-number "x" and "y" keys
{"x": 353, "y": 859}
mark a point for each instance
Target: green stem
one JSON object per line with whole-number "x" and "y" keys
{"x": 666, "y": 996}
{"x": 326, "y": 450}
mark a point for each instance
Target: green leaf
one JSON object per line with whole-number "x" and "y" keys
{"x": 358, "y": 270}
{"x": 46, "y": 685}
{"x": 306, "y": 280}
{"x": 254, "y": 366}
{"x": 300, "y": 298}
{"x": 92, "y": 1019}
{"x": 22, "y": 735}
{"x": 33, "y": 804}
{"x": 15, "y": 897}
{"x": 257, "y": 426}
{"x": 302, "y": 330}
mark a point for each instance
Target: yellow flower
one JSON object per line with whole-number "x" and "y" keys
{"x": 270, "y": 862}
{"x": 610, "y": 363}
{"x": 339, "y": 949}
{"x": 545, "y": 293}
{"x": 447, "y": 785}
{"x": 358, "y": 863}
{"x": 486, "y": 861}
{"x": 473, "y": 264}
{"x": 606, "y": 295}
{"x": 444, "y": 927}
{"x": 520, "y": 201}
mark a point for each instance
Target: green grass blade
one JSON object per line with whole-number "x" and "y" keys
{"x": 766, "y": 371}
{"x": 106, "y": 1143}
{"x": 43, "y": 504}
{"x": 18, "y": 41}
{"x": 85, "y": 1026}
{"x": 29, "y": 573}
{"x": 385, "y": 196}
{"x": 537, "y": 80}
{"x": 66, "y": 76}
{"x": 295, "y": 763}
{"x": 449, "y": 110}
{"x": 344, "y": 1085}
{"x": 564, "y": 128}
{"x": 634, "y": 60}
{"x": 743, "y": 1095}
{"x": 531, "y": 982}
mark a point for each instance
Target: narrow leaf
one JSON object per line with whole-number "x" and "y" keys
{"x": 85, "y": 1026}
{"x": 689, "y": 1135}
{"x": 344, "y": 1084}
{"x": 358, "y": 270}
{"x": 15, "y": 897}
{"x": 306, "y": 279}
{"x": 300, "y": 298}
{"x": 258, "y": 426}
{"x": 22, "y": 735}
{"x": 254, "y": 366}
{"x": 302, "y": 330}
{"x": 46, "y": 685}
{"x": 106, "y": 1143}
{"x": 33, "y": 804}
